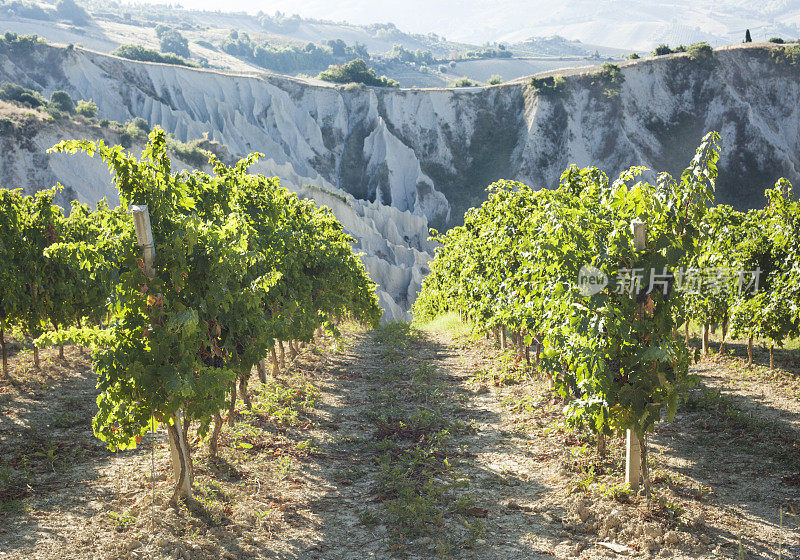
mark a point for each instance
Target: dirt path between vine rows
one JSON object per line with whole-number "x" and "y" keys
{"x": 398, "y": 443}
{"x": 773, "y": 395}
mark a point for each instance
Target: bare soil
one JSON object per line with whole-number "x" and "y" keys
{"x": 401, "y": 444}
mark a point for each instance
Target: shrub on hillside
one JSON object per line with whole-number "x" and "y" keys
{"x": 61, "y": 101}
{"x": 86, "y": 108}
{"x": 610, "y": 74}
{"x": 18, "y": 44}
{"x": 32, "y": 100}
{"x": 661, "y": 50}
{"x": 137, "y": 52}
{"x": 495, "y": 79}
{"x": 789, "y": 54}
{"x": 549, "y": 85}
{"x": 355, "y": 71}
{"x": 190, "y": 152}
{"x": 462, "y": 82}
{"x": 15, "y": 93}
{"x": 141, "y": 125}
{"x": 700, "y": 51}
{"x": 606, "y": 81}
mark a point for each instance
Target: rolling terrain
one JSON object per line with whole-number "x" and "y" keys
{"x": 404, "y": 158}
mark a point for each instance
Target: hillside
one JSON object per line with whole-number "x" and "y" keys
{"x": 291, "y": 45}
{"x": 393, "y": 244}
{"x": 406, "y": 156}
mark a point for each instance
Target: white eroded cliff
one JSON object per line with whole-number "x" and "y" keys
{"x": 406, "y": 158}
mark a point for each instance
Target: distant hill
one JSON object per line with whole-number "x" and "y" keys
{"x": 288, "y": 44}
{"x": 627, "y": 24}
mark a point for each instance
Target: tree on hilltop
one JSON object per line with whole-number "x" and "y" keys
{"x": 69, "y": 10}
{"x": 355, "y": 71}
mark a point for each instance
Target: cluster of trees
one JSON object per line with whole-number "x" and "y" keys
{"x": 699, "y": 50}
{"x": 293, "y": 58}
{"x": 239, "y": 264}
{"x": 779, "y": 40}
{"x": 138, "y": 52}
{"x": 279, "y": 22}
{"x": 314, "y": 57}
{"x": 355, "y": 71}
{"x": 71, "y": 11}
{"x": 516, "y": 264}
{"x": 608, "y": 81}
{"x": 172, "y": 41}
{"x": 486, "y": 52}
{"x": 26, "y": 97}
{"x": 385, "y": 31}
{"x": 60, "y": 101}
{"x": 64, "y": 9}
{"x": 18, "y": 44}
{"x": 426, "y": 57}
{"x": 18, "y": 8}
{"x": 786, "y": 54}
{"x": 402, "y": 54}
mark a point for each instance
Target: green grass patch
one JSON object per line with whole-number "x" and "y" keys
{"x": 448, "y": 322}
{"x": 420, "y": 484}
{"x": 285, "y": 401}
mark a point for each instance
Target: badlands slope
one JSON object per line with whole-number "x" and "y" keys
{"x": 400, "y": 159}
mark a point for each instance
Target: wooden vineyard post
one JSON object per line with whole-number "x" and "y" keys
{"x": 633, "y": 460}
{"x": 5, "y": 354}
{"x": 144, "y": 238}
{"x": 633, "y": 447}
